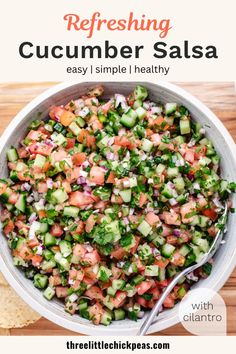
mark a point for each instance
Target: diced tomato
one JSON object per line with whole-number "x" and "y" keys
{"x": 97, "y": 175}
{"x": 210, "y": 213}
{"x": 66, "y": 118}
{"x": 162, "y": 262}
{"x": 95, "y": 313}
{"x": 42, "y": 214}
{"x": 189, "y": 155}
{"x": 56, "y": 230}
{"x": 106, "y": 106}
{"x": 152, "y": 219}
{"x": 92, "y": 258}
{"x": 134, "y": 248}
{"x": 9, "y": 227}
{"x": 111, "y": 177}
{"x": 79, "y": 199}
{"x": 156, "y": 139}
{"x": 94, "y": 293}
{"x": 143, "y": 287}
{"x": 34, "y": 135}
{"x": 118, "y": 253}
{"x": 162, "y": 283}
{"x": 33, "y": 242}
{"x": 22, "y": 153}
{"x": 36, "y": 260}
{"x": 142, "y": 302}
{"x": 169, "y": 302}
{"x": 119, "y": 299}
{"x": 42, "y": 187}
{"x": 25, "y": 252}
{"x": 155, "y": 293}
{"x": 54, "y": 280}
{"x": 59, "y": 155}
{"x": 143, "y": 199}
{"x": 3, "y": 187}
{"x": 91, "y": 221}
{"x": 200, "y": 152}
{"x": 116, "y": 199}
{"x": 171, "y": 218}
{"x": 73, "y": 174}
{"x": 212, "y": 231}
{"x": 79, "y": 251}
{"x": 172, "y": 240}
{"x": 56, "y": 112}
{"x": 125, "y": 142}
{"x": 66, "y": 185}
{"x": 139, "y": 265}
{"x": 13, "y": 198}
{"x": 95, "y": 123}
{"x": 187, "y": 210}
{"x": 79, "y": 229}
{"x": 116, "y": 272}
{"x": 177, "y": 259}
{"x": 40, "y": 148}
{"x": 70, "y": 143}
{"x": 61, "y": 292}
{"x": 78, "y": 158}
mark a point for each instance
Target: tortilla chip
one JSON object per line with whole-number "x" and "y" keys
{"x": 3, "y": 280}
{"x": 14, "y": 312}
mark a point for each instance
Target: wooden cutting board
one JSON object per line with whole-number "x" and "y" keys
{"x": 220, "y": 97}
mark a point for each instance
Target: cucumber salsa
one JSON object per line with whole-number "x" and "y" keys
{"x": 107, "y": 200}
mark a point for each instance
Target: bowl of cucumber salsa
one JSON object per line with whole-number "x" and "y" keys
{"x": 107, "y": 191}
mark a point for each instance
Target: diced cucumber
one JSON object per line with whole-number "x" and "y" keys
{"x": 12, "y": 155}
{"x": 106, "y": 318}
{"x": 65, "y": 248}
{"x": 39, "y": 161}
{"x": 184, "y": 250}
{"x": 137, "y": 103}
{"x": 43, "y": 228}
{"x": 111, "y": 291}
{"x": 48, "y": 264}
{"x": 170, "y": 108}
{"x": 74, "y": 128}
{"x": 104, "y": 274}
{"x": 158, "y": 240}
{"x": 59, "y": 139}
{"x": 179, "y": 184}
{"x": 160, "y": 168}
{"x": 169, "y": 120}
{"x": 167, "y": 250}
{"x": 144, "y": 228}
{"x": 71, "y": 211}
{"x": 119, "y": 314}
{"x": 167, "y": 191}
{"x": 63, "y": 262}
{"x": 47, "y": 254}
{"x": 49, "y": 240}
{"x": 141, "y": 112}
{"x": 80, "y": 121}
{"x": 203, "y": 221}
{"x": 140, "y": 93}
{"x": 129, "y": 119}
{"x": 118, "y": 284}
{"x": 21, "y": 166}
{"x": 130, "y": 289}
{"x": 107, "y": 302}
{"x": 146, "y": 145}
{"x": 151, "y": 271}
{"x": 204, "y": 161}
{"x": 203, "y": 244}
{"x": 172, "y": 172}
{"x": 59, "y": 196}
{"x": 184, "y": 125}
{"x": 126, "y": 195}
{"x": 162, "y": 274}
{"x": 171, "y": 270}
{"x": 21, "y": 203}
{"x": 83, "y": 305}
{"x": 137, "y": 279}
{"x": 40, "y": 281}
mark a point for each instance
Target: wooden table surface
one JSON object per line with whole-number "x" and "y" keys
{"x": 220, "y": 97}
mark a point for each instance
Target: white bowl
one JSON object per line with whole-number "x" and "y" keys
{"x": 165, "y": 92}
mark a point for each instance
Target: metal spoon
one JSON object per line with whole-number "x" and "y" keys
{"x": 214, "y": 246}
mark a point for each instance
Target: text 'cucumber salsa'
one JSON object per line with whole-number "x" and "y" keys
{"x": 107, "y": 200}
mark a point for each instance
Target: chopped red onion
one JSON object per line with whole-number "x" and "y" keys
{"x": 110, "y": 141}
{"x": 32, "y": 218}
{"x": 176, "y": 233}
{"x": 173, "y": 201}
{"x": 126, "y": 221}
{"x": 122, "y": 131}
{"x": 73, "y": 297}
{"x": 140, "y": 314}
{"x": 25, "y": 187}
{"x": 156, "y": 110}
